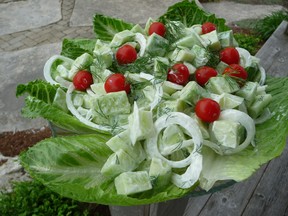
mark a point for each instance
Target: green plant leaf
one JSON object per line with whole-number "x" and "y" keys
{"x": 106, "y": 27}
{"x": 71, "y": 166}
{"x": 189, "y": 14}
{"x": 73, "y": 48}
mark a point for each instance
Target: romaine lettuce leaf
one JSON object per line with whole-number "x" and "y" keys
{"x": 71, "y": 166}
{"x": 106, "y": 27}
{"x": 73, "y": 48}
{"x": 190, "y": 14}
{"x": 39, "y": 101}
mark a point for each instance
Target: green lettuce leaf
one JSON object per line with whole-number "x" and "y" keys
{"x": 106, "y": 27}
{"x": 71, "y": 166}
{"x": 73, "y": 48}
{"x": 270, "y": 142}
{"x": 189, "y": 14}
{"x": 39, "y": 101}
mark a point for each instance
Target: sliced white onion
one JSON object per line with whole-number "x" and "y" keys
{"x": 147, "y": 76}
{"x": 63, "y": 82}
{"x": 191, "y": 128}
{"x": 48, "y": 64}
{"x": 75, "y": 112}
{"x": 142, "y": 42}
{"x": 158, "y": 95}
{"x": 246, "y": 121}
{"x": 263, "y": 117}
{"x": 263, "y": 76}
{"x": 245, "y": 57}
{"x": 192, "y": 173}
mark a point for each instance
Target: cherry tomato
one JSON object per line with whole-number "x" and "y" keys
{"x": 208, "y": 27}
{"x": 203, "y": 74}
{"x": 236, "y": 71}
{"x": 178, "y": 74}
{"x": 230, "y": 55}
{"x": 82, "y": 80}
{"x": 207, "y": 110}
{"x": 158, "y": 28}
{"x": 116, "y": 82}
{"x": 126, "y": 54}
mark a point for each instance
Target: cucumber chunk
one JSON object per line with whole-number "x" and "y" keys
{"x": 117, "y": 163}
{"x": 132, "y": 182}
{"x": 157, "y": 45}
{"x": 121, "y": 38}
{"x": 219, "y": 85}
{"x": 160, "y": 173}
{"x": 227, "y": 133}
{"x": 212, "y": 40}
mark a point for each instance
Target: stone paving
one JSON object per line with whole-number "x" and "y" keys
{"x": 32, "y": 30}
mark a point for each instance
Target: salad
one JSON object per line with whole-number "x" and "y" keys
{"x": 155, "y": 111}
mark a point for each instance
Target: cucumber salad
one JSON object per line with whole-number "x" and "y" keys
{"x": 155, "y": 110}
{"x": 163, "y": 99}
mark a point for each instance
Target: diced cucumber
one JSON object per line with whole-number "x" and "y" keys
{"x": 259, "y": 104}
{"x": 221, "y": 84}
{"x": 160, "y": 173}
{"x": 60, "y": 100}
{"x": 182, "y": 55}
{"x": 122, "y": 141}
{"x": 229, "y": 101}
{"x": 141, "y": 124}
{"x": 161, "y": 66}
{"x": 82, "y": 111}
{"x": 227, "y": 133}
{"x": 192, "y": 92}
{"x": 147, "y": 25}
{"x": 82, "y": 62}
{"x": 190, "y": 67}
{"x": 138, "y": 29}
{"x": 170, "y": 88}
{"x": 203, "y": 127}
{"x": 226, "y": 38}
{"x": 112, "y": 103}
{"x": 212, "y": 40}
{"x": 63, "y": 71}
{"x": 157, "y": 45}
{"x": 171, "y": 106}
{"x": 188, "y": 41}
{"x": 77, "y": 99}
{"x": 122, "y": 37}
{"x": 248, "y": 92}
{"x": 98, "y": 89}
{"x": 117, "y": 163}
{"x": 132, "y": 182}
{"x": 87, "y": 101}
{"x": 221, "y": 67}
{"x": 201, "y": 56}
{"x": 103, "y": 51}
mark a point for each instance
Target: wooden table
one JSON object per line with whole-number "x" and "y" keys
{"x": 263, "y": 194}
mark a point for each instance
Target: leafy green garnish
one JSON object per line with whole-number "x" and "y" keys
{"x": 106, "y": 27}
{"x": 73, "y": 48}
{"x": 190, "y": 14}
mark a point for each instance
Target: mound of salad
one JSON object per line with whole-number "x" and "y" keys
{"x": 154, "y": 112}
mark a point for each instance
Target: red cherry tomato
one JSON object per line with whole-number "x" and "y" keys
{"x": 230, "y": 55}
{"x": 235, "y": 70}
{"x": 203, "y": 74}
{"x": 208, "y": 27}
{"x": 116, "y": 82}
{"x": 126, "y": 54}
{"x": 82, "y": 80}
{"x": 178, "y": 74}
{"x": 207, "y": 110}
{"x": 158, "y": 28}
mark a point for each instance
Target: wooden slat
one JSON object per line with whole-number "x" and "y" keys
{"x": 274, "y": 53}
{"x": 271, "y": 194}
